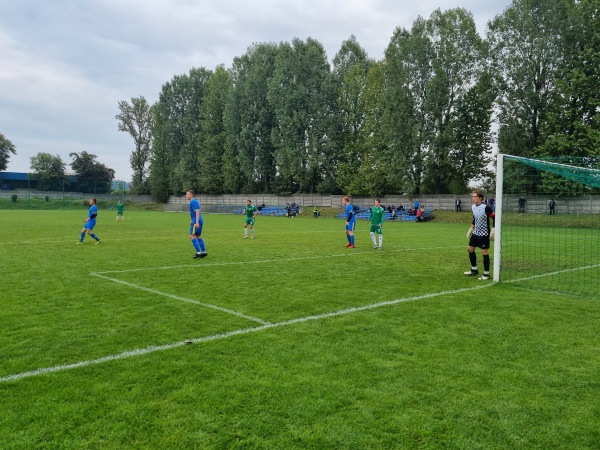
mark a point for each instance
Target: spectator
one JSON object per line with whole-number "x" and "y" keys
{"x": 521, "y": 204}
{"x": 457, "y": 203}
{"x": 552, "y": 205}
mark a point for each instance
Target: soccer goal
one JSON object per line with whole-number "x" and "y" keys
{"x": 548, "y": 224}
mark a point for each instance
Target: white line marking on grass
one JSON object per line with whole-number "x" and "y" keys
{"x": 549, "y": 274}
{"x": 182, "y": 299}
{"x": 215, "y": 337}
{"x": 266, "y": 261}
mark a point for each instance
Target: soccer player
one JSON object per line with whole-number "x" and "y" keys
{"x": 90, "y": 222}
{"x": 120, "y": 209}
{"x": 350, "y": 221}
{"x": 376, "y": 217}
{"x": 251, "y": 213}
{"x": 480, "y": 234}
{"x": 196, "y": 224}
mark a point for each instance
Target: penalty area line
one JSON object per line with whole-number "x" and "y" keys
{"x": 181, "y": 299}
{"x": 219, "y": 336}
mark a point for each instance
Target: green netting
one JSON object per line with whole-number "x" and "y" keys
{"x": 585, "y": 175}
{"x": 551, "y": 226}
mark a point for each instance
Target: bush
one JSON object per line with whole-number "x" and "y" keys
{"x": 14, "y": 197}
{"x": 47, "y": 198}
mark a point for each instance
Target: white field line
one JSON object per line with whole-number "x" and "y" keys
{"x": 266, "y": 261}
{"x": 549, "y": 274}
{"x": 215, "y": 337}
{"x": 182, "y": 299}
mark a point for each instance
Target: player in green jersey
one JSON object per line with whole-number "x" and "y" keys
{"x": 120, "y": 209}
{"x": 251, "y": 213}
{"x": 377, "y": 216}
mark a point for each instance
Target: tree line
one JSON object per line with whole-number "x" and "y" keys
{"x": 421, "y": 120}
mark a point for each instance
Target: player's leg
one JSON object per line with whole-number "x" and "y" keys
{"x": 486, "y": 264}
{"x": 380, "y": 231}
{"x": 473, "y": 260}
{"x": 82, "y": 236}
{"x": 246, "y": 229}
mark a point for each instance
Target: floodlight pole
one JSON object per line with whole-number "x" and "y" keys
{"x": 498, "y": 214}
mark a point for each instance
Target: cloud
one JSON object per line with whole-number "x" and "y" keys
{"x": 66, "y": 65}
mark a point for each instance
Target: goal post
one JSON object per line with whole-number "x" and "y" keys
{"x": 547, "y": 232}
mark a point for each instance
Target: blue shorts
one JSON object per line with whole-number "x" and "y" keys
{"x": 351, "y": 225}
{"x": 198, "y": 230}
{"x": 90, "y": 224}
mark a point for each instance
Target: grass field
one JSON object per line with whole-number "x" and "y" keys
{"x": 296, "y": 341}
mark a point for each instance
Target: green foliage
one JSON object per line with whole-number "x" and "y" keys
{"x": 49, "y": 171}
{"x": 6, "y": 148}
{"x": 136, "y": 120}
{"x": 14, "y": 197}
{"x": 92, "y": 177}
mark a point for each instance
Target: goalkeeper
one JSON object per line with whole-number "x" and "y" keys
{"x": 479, "y": 235}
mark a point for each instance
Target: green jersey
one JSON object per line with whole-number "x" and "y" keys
{"x": 377, "y": 215}
{"x": 250, "y": 211}
{"x": 120, "y": 208}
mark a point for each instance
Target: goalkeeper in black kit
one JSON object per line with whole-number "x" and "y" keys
{"x": 480, "y": 234}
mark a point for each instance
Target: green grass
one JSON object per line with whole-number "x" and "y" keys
{"x": 287, "y": 352}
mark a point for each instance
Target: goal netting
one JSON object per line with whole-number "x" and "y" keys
{"x": 548, "y": 224}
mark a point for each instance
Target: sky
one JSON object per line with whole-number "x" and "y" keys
{"x": 65, "y": 64}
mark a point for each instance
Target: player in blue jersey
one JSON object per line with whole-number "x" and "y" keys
{"x": 350, "y": 221}
{"x": 480, "y": 234}
{"x": 196, "y": 224}
{"x": 90, "y": 222}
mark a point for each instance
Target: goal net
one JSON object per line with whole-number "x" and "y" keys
{"x": 548, "y": 224}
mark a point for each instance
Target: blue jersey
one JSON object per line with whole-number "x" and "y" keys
{"x": 93, "y": 212}
{"x": 91, "y": 222}
{"x": 195, "y": 206}
{"x": 350, "y": 213}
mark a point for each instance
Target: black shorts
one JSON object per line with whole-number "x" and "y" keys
{"x": 482, "y": 242}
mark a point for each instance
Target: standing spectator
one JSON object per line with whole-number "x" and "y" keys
{"x": 552, "y": 205}
{"x": 521, "y": 204}
{"x": 350, "y": 221}
{"x": 492, "y": 204}
{"x": 416, "y": 205}
{"x": 90, "y": 222}
{"x": 376, "y": 217}
{"x": 457, "y": 206}
{"x": 315, "y": 212}
{"x": 479, "y": 235}
{"x": 120, "y": 209}
{"x": 251, "y": 213}
{"x": 196, "y": 225}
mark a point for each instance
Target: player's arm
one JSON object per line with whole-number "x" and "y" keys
{"x": 490, "y": 213}
{"x": 470, "y": 231}
{"x": 349, "y": 215}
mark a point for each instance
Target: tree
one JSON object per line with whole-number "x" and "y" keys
{"x": 49, "y": 170}
{"x": 176, "y": 133}
{"x": 6, "y": 148}
{"x": 249, "y": 165}
{"x": 92, "y": 176}
{"x": 301, "y": 96}
{"x": 136, "y": 119}
{"x": 573, "y": 124}
{"x": 527, "y": 48}
{"x": 212, "y": 131}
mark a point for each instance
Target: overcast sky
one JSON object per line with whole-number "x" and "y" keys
{"x": 65, "y": 64}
